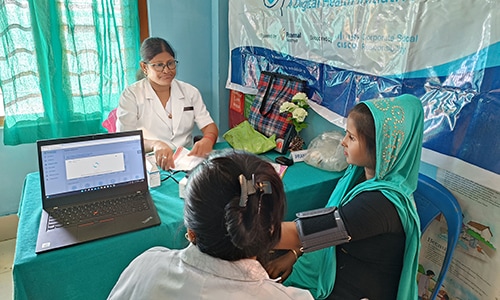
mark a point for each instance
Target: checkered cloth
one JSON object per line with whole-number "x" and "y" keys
{"x": 273, "y": 90}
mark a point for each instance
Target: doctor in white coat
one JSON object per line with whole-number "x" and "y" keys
{"x": 166, "y": 109}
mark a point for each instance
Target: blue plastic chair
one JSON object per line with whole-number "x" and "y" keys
{"x": 431, "y": 199}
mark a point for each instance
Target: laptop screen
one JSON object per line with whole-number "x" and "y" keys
{"x": 91, "y": 163}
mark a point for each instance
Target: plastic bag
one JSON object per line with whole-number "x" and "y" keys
{"x": 245, "y": 137}
{"x": 326, "y": 152}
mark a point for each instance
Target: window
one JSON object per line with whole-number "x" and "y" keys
{"x": 64, "y": 63}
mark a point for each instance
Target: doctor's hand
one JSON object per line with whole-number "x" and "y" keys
{"x": 202, "y": 148}
{"x": 164, "y": 155}
{"x": 281, "y": 266}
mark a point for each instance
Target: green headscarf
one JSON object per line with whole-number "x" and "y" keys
{"x": 398, "y": 131}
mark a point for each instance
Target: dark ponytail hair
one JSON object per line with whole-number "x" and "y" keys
{"x": 153, "y": 46}
{"x": 223, "y": 228}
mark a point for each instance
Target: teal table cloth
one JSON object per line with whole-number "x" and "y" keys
{"x": 90, "y": 270}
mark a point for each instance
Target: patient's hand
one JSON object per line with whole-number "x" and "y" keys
{"x": 281, "y": 266}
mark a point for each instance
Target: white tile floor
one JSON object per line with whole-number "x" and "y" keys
{"x": 6, "y": 258}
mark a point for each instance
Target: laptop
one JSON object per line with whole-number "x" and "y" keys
{"x": 93, "y": 187}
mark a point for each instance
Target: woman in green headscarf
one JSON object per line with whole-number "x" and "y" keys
{"x": 383, "y": 145}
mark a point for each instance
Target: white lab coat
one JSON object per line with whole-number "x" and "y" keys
{"x": 161, "y": 273}
{"x": 140, "y": 108}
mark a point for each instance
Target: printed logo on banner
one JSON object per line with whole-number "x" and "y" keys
{"x": 283, "y": 33}
{"x": 273, "y": 4}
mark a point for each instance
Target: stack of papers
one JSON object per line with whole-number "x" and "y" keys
{"x": 183, "y": 162}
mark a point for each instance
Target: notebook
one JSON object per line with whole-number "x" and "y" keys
{"x": 93, "y": 186}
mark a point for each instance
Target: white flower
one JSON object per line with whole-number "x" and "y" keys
{"x": 299, "y": 114}
{"x": 297, "y": 110}
{"x": 300, "y": 96}
{"x": 287, "y": 107}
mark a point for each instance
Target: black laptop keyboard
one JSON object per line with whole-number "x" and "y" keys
{"x": 101, "y": 211}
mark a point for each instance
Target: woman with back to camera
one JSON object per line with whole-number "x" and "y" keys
{"x": 166, "y": 109}
{"x": 234, "y": 206}
{"x": 376, "y": 236}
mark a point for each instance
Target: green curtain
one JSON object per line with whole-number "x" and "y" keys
{"x": 63, "y": 65}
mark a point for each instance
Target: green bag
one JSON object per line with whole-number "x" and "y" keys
{"x": 245, "y": 137}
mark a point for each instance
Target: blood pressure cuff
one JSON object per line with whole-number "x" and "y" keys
{"x": 321, "y": 228}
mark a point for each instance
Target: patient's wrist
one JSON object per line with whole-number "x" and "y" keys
{"x": 296, "y": 253}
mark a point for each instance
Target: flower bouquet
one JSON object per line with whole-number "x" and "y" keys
{"x": 297, "y": 113}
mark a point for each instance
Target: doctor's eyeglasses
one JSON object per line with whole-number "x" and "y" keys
{"x": 171, "y": 65}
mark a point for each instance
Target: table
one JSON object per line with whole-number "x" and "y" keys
{"x": 90, "y": 270}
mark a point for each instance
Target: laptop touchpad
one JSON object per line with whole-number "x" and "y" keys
{"x": 97, "y": 229}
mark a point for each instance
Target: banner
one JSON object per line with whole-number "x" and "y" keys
{"x": 473, "y": 272}
{"x": 445, "y": 52}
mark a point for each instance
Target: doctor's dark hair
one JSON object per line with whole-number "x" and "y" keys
{"x": 365, "y": 126}
{"x": 212, "y": 210}
{"x": 153, "y": 46}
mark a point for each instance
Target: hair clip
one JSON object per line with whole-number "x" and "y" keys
{"x": 249, "y": 187}
{"x": 265, "y": 187}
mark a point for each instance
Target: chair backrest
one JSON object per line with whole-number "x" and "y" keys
{"x": 431, "y": 199}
